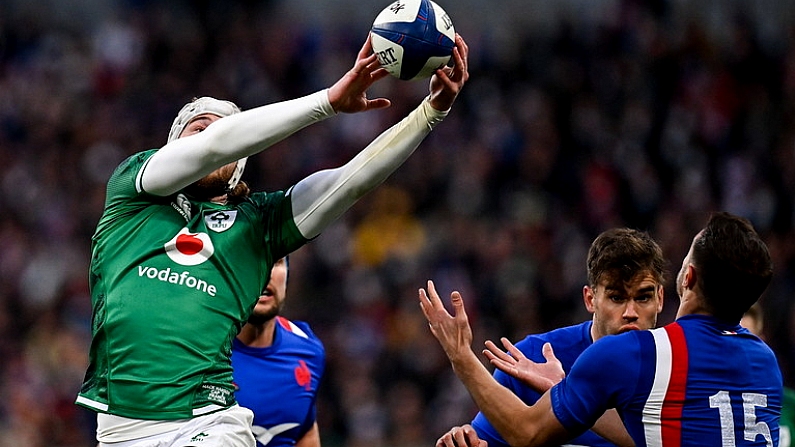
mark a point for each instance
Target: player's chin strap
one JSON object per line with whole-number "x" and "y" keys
{"x": 237, "y": 175}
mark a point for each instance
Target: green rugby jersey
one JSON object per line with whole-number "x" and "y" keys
{"x": 172, "y": 282}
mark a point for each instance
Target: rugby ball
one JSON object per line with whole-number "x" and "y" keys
{"x": 413, "y": 38}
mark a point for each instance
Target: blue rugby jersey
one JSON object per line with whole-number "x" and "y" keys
{"x": 695, "y": 382}
{"x": 568, "y": 343}
{"x": 279, "y": 383}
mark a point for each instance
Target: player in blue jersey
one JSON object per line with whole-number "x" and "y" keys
{"x": 625, "y": 272}
{"x": 278, "y": 365}
{"x": 702, "y": 380}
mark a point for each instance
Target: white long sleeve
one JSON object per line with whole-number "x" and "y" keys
{"x": 185, "y": 160}
{"x": 323, "y": 196}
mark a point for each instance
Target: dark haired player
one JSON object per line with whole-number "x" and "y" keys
{"x": 278, "y": 365}
{"x": 626, "y": 271}
{"x": 702, "y": 380}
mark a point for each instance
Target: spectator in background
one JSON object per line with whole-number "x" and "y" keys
{"x": 625, "y": 292}
{"x": 277, "y": 367}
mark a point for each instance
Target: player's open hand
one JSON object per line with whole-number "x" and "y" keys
{"x": 463, "y": 436}
{"x": 349, "y": 94}
{"x": 538, "y": 376}
{"x": 447, "y": 82}
{"x": 452, "y": 331}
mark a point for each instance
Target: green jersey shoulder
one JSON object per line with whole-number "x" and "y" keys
{"x": 172, "y": 281}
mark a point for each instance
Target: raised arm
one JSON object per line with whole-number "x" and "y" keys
{"x": 519, "y": 424}
{"x": 323, "y": 196}
{"x": 185, "y": 160}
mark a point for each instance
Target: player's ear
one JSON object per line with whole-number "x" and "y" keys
{"x": 588, "y": 296}
{"x": 660, "y": 297}
{"x": 690, "y": 277}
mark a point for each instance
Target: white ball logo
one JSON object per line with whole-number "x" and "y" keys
{"x": 188, "y": 248}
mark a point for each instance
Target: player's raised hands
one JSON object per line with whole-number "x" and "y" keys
{"x": 447, "y": 82}
{"x": 463, "y": 436}
{"x": 349, "y": 94}
{"x": 452, "y": 331}
{"x": 538, "y": 376}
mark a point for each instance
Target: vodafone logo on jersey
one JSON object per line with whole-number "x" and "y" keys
{"x": 188, "y": 248}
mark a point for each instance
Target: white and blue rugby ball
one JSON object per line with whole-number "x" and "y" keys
{"x": 413, "y": 38}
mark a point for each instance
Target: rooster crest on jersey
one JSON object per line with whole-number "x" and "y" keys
{"x": 413, "y": 38}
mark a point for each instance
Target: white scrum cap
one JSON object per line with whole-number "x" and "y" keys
{"x": 200, "y": 106}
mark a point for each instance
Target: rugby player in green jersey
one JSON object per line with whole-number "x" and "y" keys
{"x": 183, "y": 249}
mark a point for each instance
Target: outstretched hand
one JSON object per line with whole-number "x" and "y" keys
{"x": 447, "y": 82}
{"x": 538, "y": 376}
{"x": 452, "y": 331}
{"x": 349, "y": 94}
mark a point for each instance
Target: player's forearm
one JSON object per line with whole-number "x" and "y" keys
{"x": 503, "y": 409}
{"x": 185, "y": 160}
{"x": 518, "y": 424}
{"x": 610, "y": 427}
{"x": 323, "y": 196}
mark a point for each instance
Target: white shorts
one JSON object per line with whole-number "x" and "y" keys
{"x": 226, "y": 428}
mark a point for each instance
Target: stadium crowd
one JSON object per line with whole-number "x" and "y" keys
{"x": 646, "y": 119}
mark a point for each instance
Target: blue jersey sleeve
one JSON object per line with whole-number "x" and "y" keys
{"x": 604, "y": 375}
{"x": 568, "y": 343}
{"x": 695, "y": 382}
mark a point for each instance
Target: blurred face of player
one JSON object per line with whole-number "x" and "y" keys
{"x": 619, "y": 306}
{"x": 272, "y": 299}
{"x": 215, "y": 183}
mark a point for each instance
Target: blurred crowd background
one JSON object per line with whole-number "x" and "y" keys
{"x": 580, "y": 115}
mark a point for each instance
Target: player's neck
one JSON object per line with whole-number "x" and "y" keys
{"x": 691, "y": 303}
{"x": 258, "y": 335}
{"x": 221, "y": 200}
{"x": 594, "y": 335}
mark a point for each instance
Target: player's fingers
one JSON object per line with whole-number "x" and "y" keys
{"x": 367, "y": 47}
{"x": 463, "y": 48}
{"x": 499, "y": 363}
{"x": 489, "y": 356}
{"x": 510, "y": 347}
{"x": 368, "y": 64}
{"x": 433, "y": 296}
{"x": 460, "y": 59}
{"x": 497, "y": 352}
{"x": 458, "y": 307}
{"x": 446, "y": 440}
{"x": 379, "y": 73}
{"x": 430, "y": 302}
{"x": 548, "y": 352}
{"x": 425, "y": 303}
{"x": 378, "y": 103}
{"x": 471, "y": 436}
{"x": 459, "y": 439}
